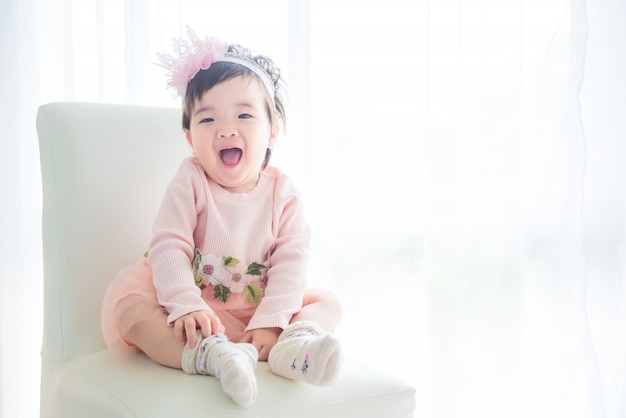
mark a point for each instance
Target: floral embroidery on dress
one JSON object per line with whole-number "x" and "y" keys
{"x": 228, "y": 275}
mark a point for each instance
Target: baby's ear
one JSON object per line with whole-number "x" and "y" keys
{"x": 273, "y": 135}
{"x": 189, "y": 139}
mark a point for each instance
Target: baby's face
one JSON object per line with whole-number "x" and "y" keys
{"x": 230, "y": 132}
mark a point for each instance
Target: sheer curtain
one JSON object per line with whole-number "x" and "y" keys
{"x": 461, "y": 163}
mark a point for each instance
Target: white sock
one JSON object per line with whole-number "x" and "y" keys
{"x": 231, "y": 364}
{"x": 304, "y": 352}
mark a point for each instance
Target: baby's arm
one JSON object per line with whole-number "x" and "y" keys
{"x": 172, "y": 248}
{"x": 286, "y": 277}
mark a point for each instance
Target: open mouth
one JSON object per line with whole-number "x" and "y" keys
{"x": 231, "y": 156}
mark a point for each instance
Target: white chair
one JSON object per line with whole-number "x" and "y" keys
{"x": 104, "y": 170}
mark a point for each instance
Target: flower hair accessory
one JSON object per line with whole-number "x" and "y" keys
{"x": 198, "y": 54}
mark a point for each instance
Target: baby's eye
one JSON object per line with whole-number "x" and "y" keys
{"x": 207, "y": 120}
{"x": 245, "y": 116}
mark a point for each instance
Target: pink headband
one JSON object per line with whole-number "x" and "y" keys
{"x": 198, "y": 54}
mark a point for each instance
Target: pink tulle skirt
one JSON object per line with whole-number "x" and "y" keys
{"x": 131, "y": 298}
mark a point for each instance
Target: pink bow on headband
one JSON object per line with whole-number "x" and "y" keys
{"x": 191, "y": 57}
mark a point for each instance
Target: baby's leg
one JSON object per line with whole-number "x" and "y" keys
{"x": 155, "y": 338}
{"x": 232, "y": 364}
{"x": 305, "y": 351}
{"x": 322, "y": 307}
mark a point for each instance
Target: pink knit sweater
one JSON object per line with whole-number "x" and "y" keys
{"x": 243, "y": 249}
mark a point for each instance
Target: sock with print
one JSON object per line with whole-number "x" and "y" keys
{"x": 232, "y": 364}
{"x": 305, "y": 352}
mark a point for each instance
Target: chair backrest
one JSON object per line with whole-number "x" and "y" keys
{"x": 104, "y": 170}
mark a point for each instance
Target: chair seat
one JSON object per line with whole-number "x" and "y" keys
{"x": 109, "y": 384}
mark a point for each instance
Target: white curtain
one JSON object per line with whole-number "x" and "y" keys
{"x": 462, "y": 163}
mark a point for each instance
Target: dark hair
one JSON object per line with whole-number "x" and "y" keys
{"x": 222, "y": 71}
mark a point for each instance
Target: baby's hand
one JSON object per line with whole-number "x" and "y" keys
{"x": 185, "y": 327}
{"x": 263, "y": 339}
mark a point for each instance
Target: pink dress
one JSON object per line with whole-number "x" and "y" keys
{"x": 241, "y": 255}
